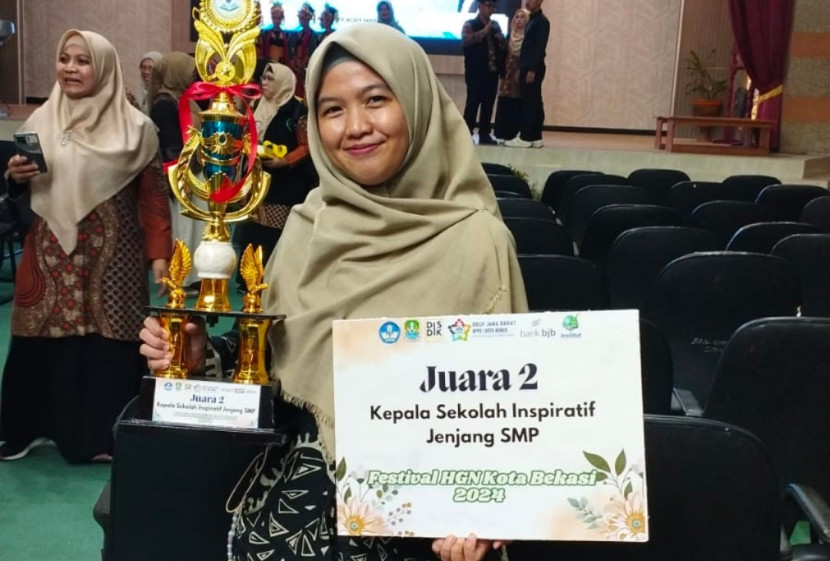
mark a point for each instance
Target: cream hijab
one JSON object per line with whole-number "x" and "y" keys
{"x": 108, "y": 142}
{"x": 517, "y": 36}
{"x": 172, "y": 74}
{"x": 285, "y": 82}
{"x": 428, "y": 242}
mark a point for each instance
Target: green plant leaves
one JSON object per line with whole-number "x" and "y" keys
{"x": 340, "y": 472}
{"x": 619, "y": 464}
{"x": 597, "y": 461}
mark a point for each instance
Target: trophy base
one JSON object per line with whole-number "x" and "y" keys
{"x": 207, "y": 403}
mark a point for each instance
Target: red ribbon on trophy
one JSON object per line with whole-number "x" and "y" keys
{"x": 205, "y": 90}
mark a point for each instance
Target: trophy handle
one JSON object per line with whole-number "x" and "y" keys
{"x": 256, "y": 177}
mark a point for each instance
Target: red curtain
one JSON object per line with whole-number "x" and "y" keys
{"x": 762, "y": 34}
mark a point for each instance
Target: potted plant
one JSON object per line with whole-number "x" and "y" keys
{"x": 704, "y": 86}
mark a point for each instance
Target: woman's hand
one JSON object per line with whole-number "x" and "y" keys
{"x": 21, "y": 170}
{"x": 275, "y": 163}
{"x": 157, "y": 351}
{"x": 464, "y": 549}
{"x": 159, "y": 268}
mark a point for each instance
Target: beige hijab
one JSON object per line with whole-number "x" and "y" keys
{"x": 172, "y": 74}
{"x": 106, "y": 143}
{"x": 428, "y": 242}
{"x": 517, "y": 36}
{"x": 285, "y": 82}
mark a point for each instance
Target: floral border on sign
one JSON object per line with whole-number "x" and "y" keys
{"x": 623, "y": 517}
{"x": 368, "y": 510}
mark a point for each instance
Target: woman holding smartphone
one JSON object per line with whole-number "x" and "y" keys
{"x": 101, "y": 219}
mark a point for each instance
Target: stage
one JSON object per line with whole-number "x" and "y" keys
{"x": 620, "y": 154}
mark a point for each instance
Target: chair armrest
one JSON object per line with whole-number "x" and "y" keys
{"x": 814, "y": 507}
{"x": 687, "y": 401}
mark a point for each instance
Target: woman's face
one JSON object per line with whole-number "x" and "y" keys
{"x": 326, "y": 19}
{"x": 269, "y": 85}
{"x": 384, "y": 13}
{"x": 304, "y": 17}
{"x": 520, "y": 20}
{"x": 362, "y": 124}
{"x": 76, "y": 75}
{"x": 146, "y": 69}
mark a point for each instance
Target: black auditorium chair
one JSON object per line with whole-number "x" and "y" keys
{"x": 657, "y": 369}
{"x": 700, "y": 299}
{"x": 510, "y": 182}
{"x": 658, "y": 182}
{"x": 809, "y": 258}
{"x": 524, "y": 208}
{"x": 555, "y": 183}
{"x": 15, "y": 218}
{"x": 773, "y": 379}
{"x": 712, "y": 496}
{"x": 745, "y": 187}
{"x": 817, "y": 213}
{"x": 502, "y": 194}
{"x": 724, "y": 218}
{"x": 610, "y": 221}
{"x": 639, "y": 254}
{"x": 762, "y": 237}
{"x": 787, "y": 201}
{"x": 562, "y": 283}
{"x": 537, "y": 236}
{"x": 688, "y": 195}
{"x": 577, "y": 182}
{"x": 501, "y": 169}
{"x": 592, "y": 198}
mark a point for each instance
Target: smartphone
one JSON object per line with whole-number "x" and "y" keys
{"x": 28, "y": 146}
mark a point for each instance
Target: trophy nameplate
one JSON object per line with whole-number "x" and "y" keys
{"x": 208, "y": 403}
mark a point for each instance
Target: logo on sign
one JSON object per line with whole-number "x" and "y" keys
{"x": 389, "y": 332}
{"x": 412, "y": 330}
{"x": 168, "y": 386}
{"x": 460, "y": 330}
{"x": 570, "y": 323}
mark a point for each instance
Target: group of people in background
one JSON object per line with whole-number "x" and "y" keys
{"x": 294, "y": 48}
{"x": 512, "y": 69}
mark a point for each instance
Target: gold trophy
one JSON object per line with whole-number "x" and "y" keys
{"x": 218, "y": 179}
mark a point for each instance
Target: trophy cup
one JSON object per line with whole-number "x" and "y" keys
{"x": 218, "y": 179}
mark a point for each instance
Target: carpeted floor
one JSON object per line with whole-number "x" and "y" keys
{"x": 45, "y": 503}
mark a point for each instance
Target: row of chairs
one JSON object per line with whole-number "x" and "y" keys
{"x": 670, "y": 188}
{"x": 697, "y": 298}
{"x": 715, "y": 484}
{"x": 786, "y": 357}
{"x": 639, "y": 254}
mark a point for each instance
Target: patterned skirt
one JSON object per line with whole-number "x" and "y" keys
{"x": 288, "y": 510}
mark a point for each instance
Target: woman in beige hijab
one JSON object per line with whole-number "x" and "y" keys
{"x": 101, "y": 218}
{"x": 404, "y": 223}
{"x": 172, "y": 75}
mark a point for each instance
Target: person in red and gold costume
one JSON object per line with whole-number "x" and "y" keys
{"x": 301, "y": 45}
{"x": 272, "y": 44}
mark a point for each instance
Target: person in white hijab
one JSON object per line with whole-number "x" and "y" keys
{"x": 403, "y": 224}
{"x": 281, "y": 120}
{"x": 145, "y": 67}
{"x": 101, "y": 218}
